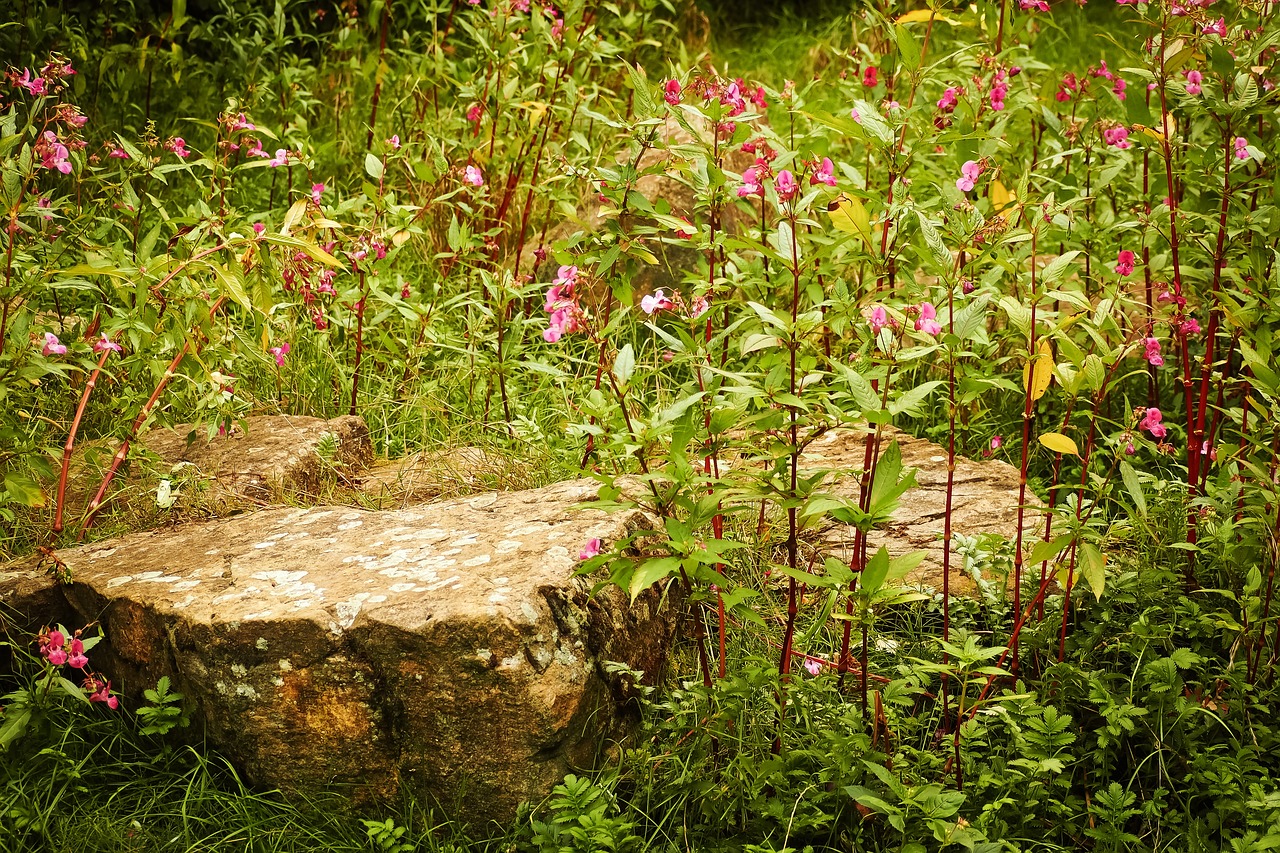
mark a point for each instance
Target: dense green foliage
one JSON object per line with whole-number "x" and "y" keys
{"x": 1043, "y": 235}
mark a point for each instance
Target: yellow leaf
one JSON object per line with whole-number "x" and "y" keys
{"x": 917, "y": 16}
{"x": 1038, "y": 373}
{"x": 294, "y": 216}
{"x": 1059, "y": 443}
{"x": 1001, "y": 196}
{"x": 848, "y": 215}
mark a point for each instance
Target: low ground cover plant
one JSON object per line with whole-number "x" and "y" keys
{"x": 581, "y": 235}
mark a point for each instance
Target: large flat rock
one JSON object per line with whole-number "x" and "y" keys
{"x": 984, "y": 500}
{"x": 449, "y": 648}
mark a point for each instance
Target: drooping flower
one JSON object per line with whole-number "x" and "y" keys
{"x": 1117, "y": 137}
{"x": 279, "y": 352}
{"x": 814, "y": 667}
{"x": 1151, "y": 423}
{"x": 1151, "y": 351}
{"x": 105, "y": 343}
{"x": 394, "y": 141}
{"x": 999, "y": 87}
{"x": 100, "y": 691}
{"x": 52, "y": 346}
{"x": 242, "y": 123}
{"x": 655, "y": 302}
{"x": 870, "y": 76}
{"x": 969, "y": 173}
{"x": 281, "y": 158}
{"x": 77, "y": 658}
{"x": 786, "y": 185}
{"x": 1033, "y": 5}
{"x": 671, "y": 91}
{"x": 473, "y": 176}
{"x": 36, "y": 86}
{"x": 927, "y": 322}
{"x": 259, "y": 228}
{"x": 1242, "y": 148}
{"x": 698, "y": 306}
{"x": 317, "y": 190}
{"x": 733, "y": 99}
{"x": 474, "y": 112}
{"x": 947, "y": 103}
{"x": 119, "y": 153}
{"x": 1190, "y": 326}
{"x": 566, "y": 276}
{"x": 178, "y": 146}
{"x": 53, "y": 154}
{"x": 878, "y": 318}
{"x": 1216, "y": 28}
{"x": 1124, "y": 263}
{"x": 824, "y": 174}
{"x": 1194, "y": 79}
{"x": 751, "y": 183}
{"x": 997, "y": 442}
{"x": 589, "y": 550}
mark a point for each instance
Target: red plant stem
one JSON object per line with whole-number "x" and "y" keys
{"x": 355, "y": 370}
{"x": 143, "y": 414}
{"x": 377, "y": 85}
{"x": 60, "y": 500}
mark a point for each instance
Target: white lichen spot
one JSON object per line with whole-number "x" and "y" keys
{"x": 103, "y": 554}
{"x": 478, "y": 560}
{"x": 350, "y": 525}
{"x": 464, "y": 539}
{"x": 221, "y": 687}
{"x": 120, "y": 581}
{"x": 400, "y": 587}
{"x": 278, "y": 681}
{"x": 376, "y": 599}
{"x": 347, "y": 611}
{"x": 239, "y": 670}
{"x": 267, "y": 544}
{"x": 501, "y": 581}
{"x": 183, "y": 586}
{"x": 529, "y": 612}
{"x": 262, "y": 644}
{"x": 350, "y": 516}
{"x": 498, "y": 597}
{"x": 513, "y": 662}
{"x": 246, "y": 691}
{"x": 262, "y": 614}
{"x": 285, "y": 666}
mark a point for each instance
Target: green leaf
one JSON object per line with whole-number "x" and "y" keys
{"x": 1057, "y": 269}
{"x": 373, "y": 166}
{"x": 24, "y": 491}
{"x": 650, "y": 572}
{"x": 1044, "y": 551}
{"x": 624, "y": 364}
{"x": 873, "y": 576}
{"x": 1093, "y": 567}
{"x": 908, "y": 50}
{"x": 1131, "y": 483}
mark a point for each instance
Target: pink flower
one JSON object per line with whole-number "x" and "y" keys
{"x": 259, "y": 228}
{"x": 671, "y": 91}
{"x": 1119, "y": 87}
{"x": 119, "y": 153}
{"x": 878, "y": 318}
{"x": 1151, "y": 423}
{"x": 280, "y": 352}
{"x": 317, "y": 190}
{"x": 589, "y": 550}
{"x": 77, "y": 658}
{"x": 53, "y": 154}
{"x": 1152, "y": 351}
{"x": 105, "y": 343}
{"x": 557, "y": 29}
{"x": 814, "y": 667}
{"x": 750, "y": 183}
{"x": 732, "y": 98}
{"x": 928, "y": 319}
{"x": 786, "y": 185}
{"x": 1117, "y": 137}
{"x": 36, "y": 87}
{"x": 1242, "y": 148}
{"x": 566, "y": 276}
{"x": 101, "y": 692}
{"x": 1033, "y": 5}
{"x": 473, "y": 113}
{"x": 1190, "y": 326}
{"x": 1124, "y": 263}
{"x": 178, "y": 146}
{"x": 947, "y": 103}
{"x": 824, "y": 174}
{"x": 242, "y": 123}
{"x": 255, "y": 149}
{"x": 656, "y": 301}
{"x": 698, "y": 306}
{"x": 52, "y": 346}
{"x": 1194, "y": 79}
{"x": 869, "y": 76}
{"x": 1216, "y": 28}
{"x": 969, "y": 173}
{"x": 686, "y": 231}
{"x": 281, "y": 158}
{"x": 853, "y": 114}
{"x": 1129, "y": 449}
{"x": 472, "y": 175}
{"x": 394, "y": 141}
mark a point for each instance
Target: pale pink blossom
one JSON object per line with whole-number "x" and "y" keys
{"x": 105, "y": 343}
{"x": 52, "y": 346}
{"x": 655, "y": 302}
{"x": 969, "y": 173}
{"x": 279, "y": 352}
{"x": 473, "y": 176}
{"x": 824, "y": 174}
{"x": 589, "y": 550}
{"x": 786, "y": 185}
{"x": 317, "y": 190}
{"x": 927, "y": 322}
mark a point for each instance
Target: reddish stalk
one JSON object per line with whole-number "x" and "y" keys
{"x": 60, "y": 500}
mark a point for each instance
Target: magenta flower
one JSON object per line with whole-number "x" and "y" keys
{"x": 969, "y": 173}
{"x": 997, "y": 442}
{"x": 119, "y": 153}
{"x": 824, "y": 174}
{"x": 473, "y": 113}
{"x": 77, "y": 658}
{"x": 1242, "y": 148}
{"x": 242, "y": 123}
{"x": 698, "y": 306}
{"x": 1033, "y": 5}
{"x": 566, "y": 276}
{"x": 1151, "y": 423}
{"x": 750, "y": 183}
{"x": 589, "y": 550}
{"x": 178, "y": 146}
{"x": 870, "y": 76}
{"x": 814, "y": 667}
{"x": 656, "y": 301}
{"x": 317, "y": 190}
{"x": 100, "y": 691}
{"x": 1124, "y": 263}
{"x": 105, "y": 343}
{"x": 35, "y": 86}
{"x": 786, "y": 185}
{"x": 53, "y": 154}
{"x": 1194, "y": 79}
{"x": 1152, "y": 352}
{"x": 928, "y": 319}
{"x": 52, "y": 346}
{"x": 472, "y": 175}
{"x": 947, "y": 103}
{"x": 281, "y": 158}
{"x": 280, "y": 352}
{"x": 256, "y": 150}
{"x": 1216, "y": 28}
{"x": 733, "y": 99}
{"x": 1190, "y": 326}
{"x": 1117, "y": 137}
{"x": 259, "y": 229}
{"x": 394, "y": 141}
{"x": 878, "y": 318}
{"x": 671, "y": 91}
{"x": 1119, "y": 87}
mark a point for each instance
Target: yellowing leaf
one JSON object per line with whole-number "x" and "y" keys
{"x": 1001, "y": 196}
{"x": 294, "y": 216}
{"x": 1059, "y": 443}
{"x": 917, "y": 16}
{"x": 848, "y": 215}
{"x": 1038, "y": 373}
